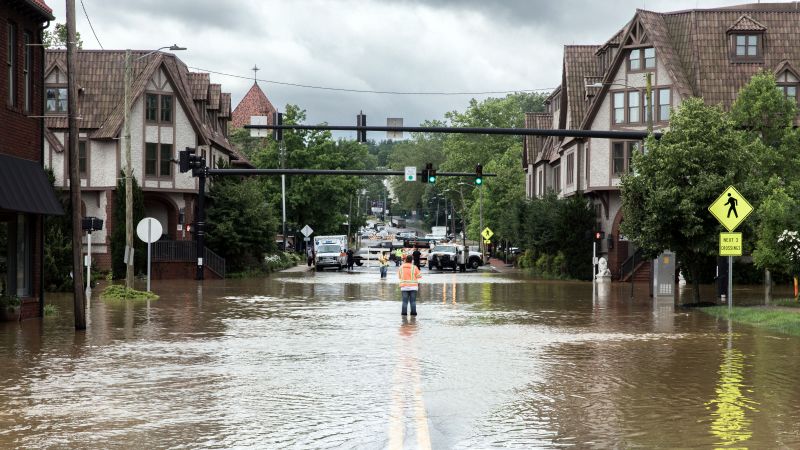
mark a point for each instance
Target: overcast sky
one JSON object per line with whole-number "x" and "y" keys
{"x": 385, "y": 45}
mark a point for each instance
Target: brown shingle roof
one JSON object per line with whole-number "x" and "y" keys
{"x": 41, "y": 7}
{"x": 225, "y": 105}
{"x": 101, "y": 104}
{"x": 254, "y": 103}
{"x": 579, "y": 62}
{"x": 199, "y": 83}
{"x": 214, "y": 91}
{"x": 746, "y": 23}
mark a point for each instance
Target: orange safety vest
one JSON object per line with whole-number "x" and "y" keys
{"x": 409, "y": 275}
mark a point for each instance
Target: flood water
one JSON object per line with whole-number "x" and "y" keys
{"x": 324, "y": 360}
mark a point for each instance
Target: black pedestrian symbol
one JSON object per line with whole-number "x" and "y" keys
{"x": 732, "y": 209}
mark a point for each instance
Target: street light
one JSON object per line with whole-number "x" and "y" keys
{"x": 129, "y": 164}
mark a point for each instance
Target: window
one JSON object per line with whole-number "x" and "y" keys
{"x": 746, "y": 45}
{"x": 158, "y": 160}
{"x": 633, "y": 106}
{"x": 158, "y": 108}
{"x": 557, "y": 178}
{"x": 11, "y": 62}
{"x": 56, "y": 99}
{"x": 27, "y": 68}
{"x": 663, "y": 104}
{"x": 790, "y": 92}
{"x": 619, "y": 107}
{"x": 83, "y": 159}
{"x": 642, "y": 59}
{"x": 634, "y": 60}
{"x": 650, "y": 58}
{"x": 622, "y": 155}
{"x": 570, "y": 169}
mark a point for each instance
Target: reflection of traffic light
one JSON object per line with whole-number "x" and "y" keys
{"x": 479, "y": 175}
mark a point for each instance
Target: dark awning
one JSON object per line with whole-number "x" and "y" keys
{"x": 24, "y": 187}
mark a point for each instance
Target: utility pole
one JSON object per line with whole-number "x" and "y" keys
{"x": 128, "y": 175}
{"x": 79, "y": 301}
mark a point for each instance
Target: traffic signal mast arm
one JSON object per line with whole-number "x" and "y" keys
{"x": 609, "y": 134}
{"x": 332, "y": 172}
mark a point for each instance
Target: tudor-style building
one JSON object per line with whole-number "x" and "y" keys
{"x": 171, "y": 108}
{"x": 26, "y": 195}
{"x": 708, "y": 53}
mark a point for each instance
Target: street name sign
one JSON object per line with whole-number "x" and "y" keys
{"x": 730, "y": 208}
{"x": 487, "y": 233}
{"x": 730, "y": 244}
{"x": 411, "y": 173}
{"x": 306, "y": 231}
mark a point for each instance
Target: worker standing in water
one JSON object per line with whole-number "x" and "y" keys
{"x": 409, "y": 275}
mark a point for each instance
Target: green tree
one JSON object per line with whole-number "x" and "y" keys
{"x": 118, "y": 233}
{"x": 666, "y": 196}
{"x": 762, "y": 109}
{"x": 241, "y": 225}
{"x": 319, "y": 201}
{"x": 58, "y": 246}
{"x": 58, "y": 37}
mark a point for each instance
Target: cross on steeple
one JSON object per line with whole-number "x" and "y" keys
{"x": 255, "y": 69}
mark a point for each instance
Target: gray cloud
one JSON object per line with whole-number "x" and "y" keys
{"x": 400, "y": 45}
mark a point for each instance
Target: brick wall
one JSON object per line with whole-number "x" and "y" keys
{"x": 20, "y": 135}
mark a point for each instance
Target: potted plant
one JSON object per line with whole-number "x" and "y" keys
{"x": 9, "y": 307}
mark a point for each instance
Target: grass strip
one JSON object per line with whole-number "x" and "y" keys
{"x": 120, "y": 292}
{"x": 768, "y": 318}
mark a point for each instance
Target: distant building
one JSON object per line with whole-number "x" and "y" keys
{"x": 254, "y": 103}
{"x": 26, "y": 195}
{"x": 170, "y": 109}
{"x": 708, "y": 53}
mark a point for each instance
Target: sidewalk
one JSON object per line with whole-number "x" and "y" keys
{"x": 500, "y": 266}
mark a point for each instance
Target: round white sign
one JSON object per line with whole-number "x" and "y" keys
{"x": 149, "y": 230}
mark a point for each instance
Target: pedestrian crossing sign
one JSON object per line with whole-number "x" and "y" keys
{"x": 487, "y": 233}
{"x": 730, "y": 208}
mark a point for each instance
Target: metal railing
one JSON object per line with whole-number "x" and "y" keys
{"x": 186, "y": 251}
{"x": 631, "y": 264}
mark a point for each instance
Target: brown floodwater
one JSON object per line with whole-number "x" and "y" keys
{"x": 324, "y": 360}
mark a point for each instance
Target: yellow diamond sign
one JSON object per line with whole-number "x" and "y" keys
{"x": 487, "y": 233}
{"x": 730, "y": 208}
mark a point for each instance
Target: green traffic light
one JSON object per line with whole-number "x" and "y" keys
{"x": 479, "y": 181}
{"x": 432, "y": 179}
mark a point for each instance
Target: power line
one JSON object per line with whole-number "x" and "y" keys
{"x": 90, "y": 25}
{"x": 368, "y": 91}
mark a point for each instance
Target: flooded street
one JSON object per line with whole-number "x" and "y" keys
{"x": 324, "y": 360}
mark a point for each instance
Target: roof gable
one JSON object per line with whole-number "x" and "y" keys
{"x": 746, "y": 23}
{"x": 254, "y": 103}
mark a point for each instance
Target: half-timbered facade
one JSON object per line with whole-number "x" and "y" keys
{"x": 171, "y": 108}
{"x": 708, "y": 53}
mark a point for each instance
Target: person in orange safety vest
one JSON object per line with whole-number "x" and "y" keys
{"x": 409, "y": 276}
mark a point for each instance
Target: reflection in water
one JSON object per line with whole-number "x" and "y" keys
{"x": 730, "y": 423}
{"x": 407, "y": 384}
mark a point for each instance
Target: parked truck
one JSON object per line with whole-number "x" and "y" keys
{"x": 330, "y": 251}
{"x": 439, "y": 232}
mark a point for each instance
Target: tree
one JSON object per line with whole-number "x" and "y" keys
{"x": 666, "y": 196}
{"x": 118, "y": 267}
{"x": 58, "y": 37}
{"x": 763, "y": 109}
{"x": 241, "y": 225}
{"x": 319, "y": 201}
{"x": 58, "y": 247}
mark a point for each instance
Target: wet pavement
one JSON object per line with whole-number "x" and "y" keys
{"x": 324, "y": 360}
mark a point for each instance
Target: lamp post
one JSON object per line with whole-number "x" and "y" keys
{"x": 129, "y": 164}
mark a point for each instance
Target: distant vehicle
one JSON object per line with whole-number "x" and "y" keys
{"x": 441, "y": 232}
{"x": 445, "y": 256}
{"x": 398, "y": 222}
{"x": 330, "y": 251}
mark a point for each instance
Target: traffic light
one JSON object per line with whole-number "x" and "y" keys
{"x": 188, "y": 160}
{"x": 431, "y": 175}
{"x": 428, "y": 174}
{"x": 361, "y": 121}
{"x": 479, "y": 175}
{"x": 277, "y": 133}
{"x": 599, "y": 235}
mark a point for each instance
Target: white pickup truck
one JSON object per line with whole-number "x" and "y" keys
{"x": 330, "y": 251}
{"x": 445, "y": 256}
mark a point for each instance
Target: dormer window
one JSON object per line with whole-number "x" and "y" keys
{"x": 746, "y": 40}
{"x": 56, "y": 99}
{"x": 787, "y": 83}
{"x": 642, "y": 59}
